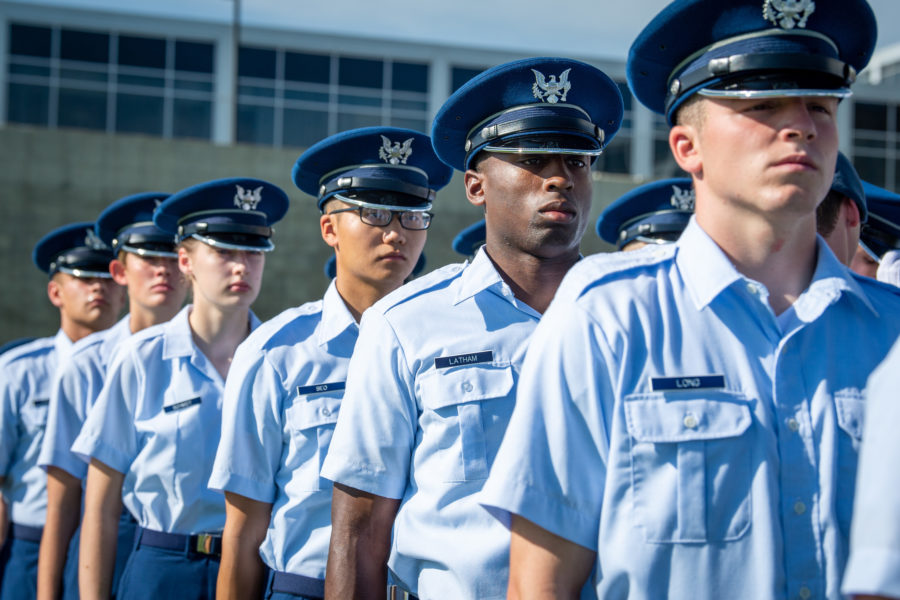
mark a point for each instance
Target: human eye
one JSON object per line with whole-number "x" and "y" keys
{"x": 578, "y": 161}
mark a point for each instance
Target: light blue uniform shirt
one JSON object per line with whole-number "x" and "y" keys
{"x": 666, "y": 421}
{"x": 874, "y": 566}
{"x": 431, "y": 388}
{"x": 282, "y": 398}
{"x": 157, "y": 420}
{"x": 26, "y": 374}
{"x": 76, "y": 385}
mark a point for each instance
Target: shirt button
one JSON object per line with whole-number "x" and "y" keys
{"x": 799, "y": 507}
{"x": 326, "y": 412}
{"x": 804, "y": 592}
{"x": 690, "y": 421}
{"x": 793, "y": 424}
{"x": 467, "y": 387}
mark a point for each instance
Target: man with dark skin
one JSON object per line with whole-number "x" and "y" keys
{"x": 432, "y": 378}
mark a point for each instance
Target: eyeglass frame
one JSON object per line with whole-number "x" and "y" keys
{"x": 400, "y": 211}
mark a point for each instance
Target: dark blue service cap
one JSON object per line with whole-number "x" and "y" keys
{"x": 373, "y": 166}
{"x": 750, "y": 48}
{"x": 655, "y": 212}
{"x": 882, "y": 230}
{"x": 331, "y": 266}
{"x": 235, "y": 213}
{"x": 127, "y": 225}
{"x": 74, "y": 249}
{"x": 469, "y": 240}
{"x": 847, "y": 183}
{"x": 533, "y": 105}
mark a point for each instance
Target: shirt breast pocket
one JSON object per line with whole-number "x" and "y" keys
{"x": 312, "y": 419}
{"x": 463, "y": 407}
{"x": 34, "y": 414}
{"x": 690, "y": 465}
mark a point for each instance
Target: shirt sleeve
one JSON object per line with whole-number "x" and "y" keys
{"x": 551, "y": 465}
{"x": 68, "y": 404}
{"x": 252, "y": 441}
{"x": 874, "y": 565}
{"x": 109, "y": 433}
{"x": 9, "y": 416}
{"x": 376, "y": 429}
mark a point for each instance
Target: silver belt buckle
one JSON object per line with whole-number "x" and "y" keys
{"x": 205, "y": 543}
{"x": 398, "y": 593}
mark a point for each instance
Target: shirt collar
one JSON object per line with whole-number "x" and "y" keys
{"x": 62, "y": 343}
{"x": 177, "y": 338}
{"x": 478, "y": 276}
{"x": 707, "y": 271}
{"x": 336, "y": 317}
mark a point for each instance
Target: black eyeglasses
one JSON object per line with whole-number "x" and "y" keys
{"x": 416, "y": 220}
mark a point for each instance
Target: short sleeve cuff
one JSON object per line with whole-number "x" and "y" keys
{"x": 363, "y": 476}
{"x": 65, "y": 460}
{"x": 87, "y": 449}
{"x": 873, "y": 571}
{"x": 509, "y": 496}
{"x": 225, "y": 481}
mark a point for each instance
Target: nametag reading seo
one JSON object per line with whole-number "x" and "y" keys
{"x": 320, "y": 388}
{"x": 473, "y": 358}
{"x": 686, "y": 383}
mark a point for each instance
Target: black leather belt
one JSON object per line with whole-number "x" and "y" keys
{"x": 27, "y": 532}
{"x": 298, "y": 585}
{"x": 209, "y": 544}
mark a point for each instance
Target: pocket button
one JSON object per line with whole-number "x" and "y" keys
{"x": 467, "y": 387}
{"x": 793, "y": 424}
{"x": 690, "y": 421}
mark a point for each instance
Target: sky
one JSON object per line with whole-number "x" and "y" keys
{"x": 584, "y": 28}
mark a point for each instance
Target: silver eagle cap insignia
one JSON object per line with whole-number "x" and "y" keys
{"x": 553, "y": 90}
{"x": 395, "y": 153}
{"x": 682, "y": 199}
{"x": 247, "y": 199}
{"x": 92, "y": 241}
{"x": 788, "y": 14}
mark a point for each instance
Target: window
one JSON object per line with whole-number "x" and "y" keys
{"x": 110, "y": 82}
{"x": 460, "y": 75}
{"x": 876, "y": 143}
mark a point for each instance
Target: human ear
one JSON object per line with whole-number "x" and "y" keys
{"x": 683, "y": 141}
{"x": 328, "y": 227}
{"x": 54, "y": 293}
{"x": 474, "y": 182}
{"x": 117, "y": 270}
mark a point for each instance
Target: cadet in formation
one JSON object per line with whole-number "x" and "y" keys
{"x": 145, "y": 265}
{"x": 375, "y": 188}
{"x": 681, "y": 427}
{"x": 650, "y": 214}
{"x": 152, "y": 434}
{"x": 841, "y": 215}
{"x": 88, "y": 300}
{"x": 432, "y": 380}
{"x": 878, "y": 253}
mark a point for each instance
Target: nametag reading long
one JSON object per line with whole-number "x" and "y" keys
{"x": 700, "y": 382}
{"x": 320, "y": 388}
{"x": 443, "y": 362}
{"x": 181, "y": 405}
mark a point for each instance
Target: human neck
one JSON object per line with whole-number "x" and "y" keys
{"x": 778, "y": 252}
{"x": 358, "y": 295}
{"x": 141, "y": 317}
{"x": 217, "y": 332}
{"x": 532, "y": 279}
{"x": 75, "y": 330}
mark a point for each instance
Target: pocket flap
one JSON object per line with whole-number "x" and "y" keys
{"x": 850, "y": 408}
{"x": 657, "y": 418}
{"x": 442, "y": 388}
{"x": 315, "y": 411}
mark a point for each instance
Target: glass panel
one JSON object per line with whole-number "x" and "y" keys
{"x": 194, "y": 85}
{"x": 141, "y": 80}
{"x": 460, "y": 75}
{"x": 259, "y": 91}
{"x": 870, "y": 116}
{"x": 358, "y": 100}
{"x": 861, "y": 141}
{"x": 896, "y": 177}
{"x": 255, "y": 124}
{"x": 139, "y": 114}
{"x": 871, "y": 169}
{"x": 616, "y": 157}
{"x": 307, "y": 96}
{"x": 409, "y": 104}
{"x": 29, "y": 41}
{"x": 314, "y": 68}
{"x": 414, "y": 124}
{"x": 83, "y": 75}
{"x": 256, "y": 62}
{"x": 28, "y": 104}
{"x": 303, "y": 128}
{"x": 85, "y": 46}
{"x": 626, "y": 94}
{"x": 360, "y": 72}
{"x": 352, "y": 121}
{"x": 142, "y": 52}
{"x": 193, "y": 56}
{"x": 191, "y": 119}
{"x": 28, "y": 70}
{"x": 82, "y": 108}
{"x": 409, "y": 77}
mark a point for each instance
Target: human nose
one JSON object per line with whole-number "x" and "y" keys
{"x": 799, "y": 122}
{"x": 394, "y": 232}
{"x": 559, "y": 174}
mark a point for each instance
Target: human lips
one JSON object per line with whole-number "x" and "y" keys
{"x": 798, "y": 161}
{"x": 561, "y": 211}
{"x": 239, "y": 286}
